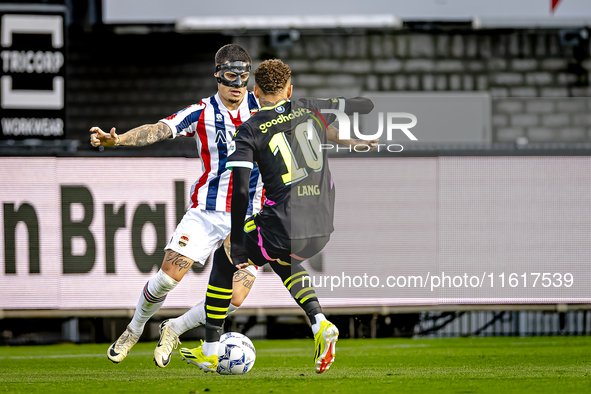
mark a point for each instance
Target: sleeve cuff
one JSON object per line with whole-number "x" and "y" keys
{"x": 171, "y": 126}
{"x": 243, "y": 164}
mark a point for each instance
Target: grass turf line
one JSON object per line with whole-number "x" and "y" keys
{"x": 464, "y": 365}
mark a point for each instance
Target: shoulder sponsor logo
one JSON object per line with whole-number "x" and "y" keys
{"x": 284, "y": 118}
{"x": 280, "y": 109}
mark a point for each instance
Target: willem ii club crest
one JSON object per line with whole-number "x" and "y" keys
{"x": 184, "y": 240}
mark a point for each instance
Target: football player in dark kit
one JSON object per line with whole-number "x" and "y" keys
{"x": 284, "y": 138}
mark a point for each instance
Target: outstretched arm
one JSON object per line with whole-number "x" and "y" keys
{"x": 140, "y": 136}
{"x": 361, "y": 105}
{"x": 332, "y": 134}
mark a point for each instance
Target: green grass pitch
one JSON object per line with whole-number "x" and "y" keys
{"x": 464, "y": 365}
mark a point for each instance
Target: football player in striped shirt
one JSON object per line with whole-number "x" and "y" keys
{"x": 212, "y": 123}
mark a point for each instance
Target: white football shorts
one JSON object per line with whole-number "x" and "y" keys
{"x": 200, "y": 233}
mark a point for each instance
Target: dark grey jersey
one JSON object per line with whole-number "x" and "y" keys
{"x": 285, "y": 141}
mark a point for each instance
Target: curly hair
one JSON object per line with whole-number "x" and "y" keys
{"x": 272, "y": 76}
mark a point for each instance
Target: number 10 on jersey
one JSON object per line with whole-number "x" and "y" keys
{"x": 309, "y": 143}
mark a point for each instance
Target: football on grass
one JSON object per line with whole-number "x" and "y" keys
{"x": 237, "y": 354}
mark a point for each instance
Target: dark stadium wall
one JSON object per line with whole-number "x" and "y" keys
{"x": 125, "y": 81}
{"x": 517, "y": 68}
{"x": 128, "y": 80}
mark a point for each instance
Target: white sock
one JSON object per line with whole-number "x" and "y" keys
{"x": 211, "y": 348}
{"x": 232, "y": 308}
{"x": 194, "y": 317}
{"x": 151, "y": 300}
{"x": 319, "y": 319}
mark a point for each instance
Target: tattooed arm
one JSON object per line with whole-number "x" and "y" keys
{"x": 140, "y": 136}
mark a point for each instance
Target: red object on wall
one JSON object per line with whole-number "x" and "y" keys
{"x": 554, "y": 4}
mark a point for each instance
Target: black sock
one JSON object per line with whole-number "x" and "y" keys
{"x": 219, "y": 295}
{"x": 297, "y": 280}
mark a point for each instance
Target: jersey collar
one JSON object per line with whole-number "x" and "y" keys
{"x": 274, "y": 106}
{"x": 243, "y": 104}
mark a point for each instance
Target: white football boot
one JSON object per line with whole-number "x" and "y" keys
{"x": 169, "y": 340}
{"x": 119, "y": 349}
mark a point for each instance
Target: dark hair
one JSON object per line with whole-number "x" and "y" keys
{"x": 272, "y": 76}
{"x": 232, "y": 53}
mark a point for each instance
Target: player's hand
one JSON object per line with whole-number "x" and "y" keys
{"x": 362, "y": 145}
{"x": 240, "y": 266}
{"x": 100, "y": 138}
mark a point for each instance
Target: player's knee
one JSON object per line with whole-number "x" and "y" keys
{"x": 175, "y": 265}
{"x": 283, "y": 271}
{"x": 174, "y": 274}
